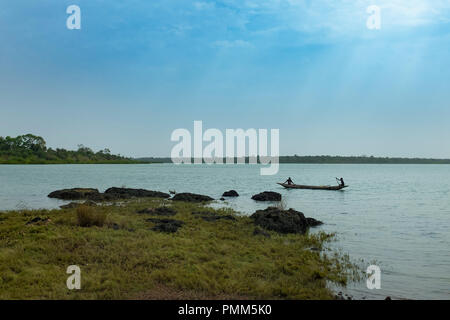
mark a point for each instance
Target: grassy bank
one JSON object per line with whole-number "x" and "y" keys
{"x": 125, "y": 259}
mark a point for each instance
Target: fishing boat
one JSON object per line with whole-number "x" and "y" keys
{"x": 298, "y": 186}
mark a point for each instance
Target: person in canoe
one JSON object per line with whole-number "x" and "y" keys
{"x": 289, "y": 181}
{"x": 340, "y": 181}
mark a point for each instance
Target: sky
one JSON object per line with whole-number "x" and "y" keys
{"x": 138, "y": 69}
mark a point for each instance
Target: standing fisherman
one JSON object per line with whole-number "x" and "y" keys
{"x": 289, "y": 181}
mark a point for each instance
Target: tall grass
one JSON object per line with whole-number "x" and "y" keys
{"x": 89, "y": 216}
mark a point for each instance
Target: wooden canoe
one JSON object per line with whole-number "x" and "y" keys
{"x": 298, "y": 186}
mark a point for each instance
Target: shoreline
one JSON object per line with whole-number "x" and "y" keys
{"x": 281, "y": 163}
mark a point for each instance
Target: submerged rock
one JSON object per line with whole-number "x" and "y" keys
{"x": 166, "y": 225}
{"x": 283, "y": 221}
{"x": 191, "y": 197}
{"x": 267, "y": 196}
{"x": 161, "y": 211}
{"x": 231, "y": 193}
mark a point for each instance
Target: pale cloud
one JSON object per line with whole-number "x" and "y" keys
{"x": 416, "y": 12}
{"x": 203, "y": 5}
{"x": 340, "y": 16}
{"x": 232, "y": 44}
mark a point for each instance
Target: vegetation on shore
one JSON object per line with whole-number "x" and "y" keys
{"x": 31, "y": 149}
{"x": 121, "y": 257}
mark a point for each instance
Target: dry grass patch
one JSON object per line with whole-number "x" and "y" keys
{"x": 90, "y": 216}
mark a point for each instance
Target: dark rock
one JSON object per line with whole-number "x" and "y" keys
{"x": 75, "y": 194}
{"x": 138, "y": 193}
{"x": 267, "y": 196}
{"x": 70, "y": 205}
{"x": 212, "y": 216}
{"x": 109, "y": 195}
{"x": 166, "y": 225}
{"x": 218, "y": 217}
{"x": 313, "y": 222}
{"x": 261, "y": 232}
{"x": 34, "y": 220}
{"x": 231, "y": 193}
{"x": 161, "y": 211}
{"x": 388, "y": 298}
{"x": 115, "y": 226}
{"x": 339, "y": 296}
{"x": 283, "y": 221}
{"x": 222, "y": 199}
{"x": 77, "y": 204}
{"x": 39, "y": 221}
{"x": 203, "y": 213}
{"x": 191, "y": 197}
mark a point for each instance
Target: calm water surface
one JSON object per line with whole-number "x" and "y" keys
{"x": 396, "y": 215}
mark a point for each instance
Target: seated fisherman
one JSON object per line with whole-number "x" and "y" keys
{"x": 289, "y": 181}
{"x": 341, "y": 181}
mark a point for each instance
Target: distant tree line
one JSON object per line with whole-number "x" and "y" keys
{"x": 360, "y": 159}
{"x": 31, "y": 149}
{"x": 330, "y": 160}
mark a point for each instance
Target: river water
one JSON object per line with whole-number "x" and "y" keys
{"x": 397, "y": 216}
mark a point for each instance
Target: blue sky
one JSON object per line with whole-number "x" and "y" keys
{"x": 137, "y": 70}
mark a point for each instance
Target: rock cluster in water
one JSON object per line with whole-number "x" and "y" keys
{"x": 110, "y": 194}
{"x": 283, "y": 221}
{"x": 272, "y": 218}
